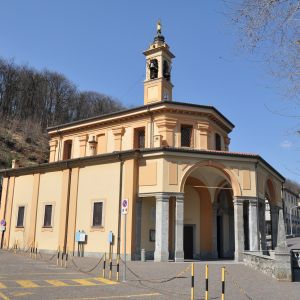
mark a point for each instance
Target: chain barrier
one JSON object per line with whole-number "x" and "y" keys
{"x": 238, "y": 286}
{"x": 86, "y": 271}
{"x": 158, "y": 280}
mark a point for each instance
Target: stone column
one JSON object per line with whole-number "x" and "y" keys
{"x": 238, "y": 228}
{"x": 281, "y": 237}
{"x": 138, "y": 227}
{"x": 179, "y": 220}
{"x": 161, "y": 252}
{"x": 253, "y": 221}
{"x": 274, "y": 220}
{"x": 214, "y": 232}
{"x": 262, "y": 224}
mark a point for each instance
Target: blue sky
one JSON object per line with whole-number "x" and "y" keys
{"x": 99, "y": 44}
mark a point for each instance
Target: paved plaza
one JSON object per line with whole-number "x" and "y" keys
{"x": 22, "y": 277}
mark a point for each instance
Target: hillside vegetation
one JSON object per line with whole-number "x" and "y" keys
{"x": 31, "y": 101}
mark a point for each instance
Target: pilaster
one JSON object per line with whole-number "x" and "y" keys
{"x": 205, "y": 130}
{"x": 82, "y": 144}
{"x": 53, "y": 145}
{"x": 118, "y": 133}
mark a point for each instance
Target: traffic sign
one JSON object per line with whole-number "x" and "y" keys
{"x": 124, "y": 206}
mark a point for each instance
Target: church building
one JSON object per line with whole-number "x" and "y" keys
{"x": 188, "y": 196}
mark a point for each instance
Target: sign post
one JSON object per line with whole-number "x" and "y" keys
{"x": 124, "y": 213}
{"x": 2, "y": 229}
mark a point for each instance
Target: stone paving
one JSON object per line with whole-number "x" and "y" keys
{"x": 24, "y": 278}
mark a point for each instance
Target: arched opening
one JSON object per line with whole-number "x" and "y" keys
{"x": 208, "y": 214}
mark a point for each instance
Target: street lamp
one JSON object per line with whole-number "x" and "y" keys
{"x": 291, "y": 226}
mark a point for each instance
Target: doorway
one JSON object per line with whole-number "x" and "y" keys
{"x": 188, "y": 241}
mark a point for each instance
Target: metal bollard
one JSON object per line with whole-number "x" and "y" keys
{"x": 104, "y": 265}
{"x": 110, "y": 268}
{"x": 66, "y": 259}
{"x": 58, "y": 254}
{"x": 206, "y": 282}
{"x": 192, "y": 282}
{"x": 143, "y": 255}
{"x": 62, "y": 259}
{"x": 118, "y": 267}
{"x": 223, "y": 284}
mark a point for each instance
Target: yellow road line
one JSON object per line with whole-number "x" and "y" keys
{"x": 106, "y": 281}
{"x": 57, "y": 282}
{"x": 27, "y": 284}
{"x": 3, "y": 297}
{"x": 84, "y": 282}
{"x": 2, "y": 286}
{"x": 115, "y": 297}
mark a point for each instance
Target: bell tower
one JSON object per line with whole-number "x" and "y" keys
{"x": 157, "y": 85}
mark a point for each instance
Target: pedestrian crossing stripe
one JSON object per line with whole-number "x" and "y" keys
{"x": 84, "y": 282}
{"x": 57, "y": 282}
{"x": 2, "y": 286}
{"x": 106, "y": 281}
{"x": 26, "y": 284}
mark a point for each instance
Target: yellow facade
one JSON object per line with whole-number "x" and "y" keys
{"x": 162, "y": 150}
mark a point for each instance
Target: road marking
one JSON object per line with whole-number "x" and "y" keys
{"x": 22, "y": 294}
{"x": 115, "y": 297}
{"x": 84, "y": 282}
{"x": 3, "y": 297}
{"x": 27, "y": 284}
{"x": 106, "y": 281}
{"x": 57, "y": 282}
{"x": 2, "y": 286}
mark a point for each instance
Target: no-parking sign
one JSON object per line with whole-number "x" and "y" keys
{"x": 124, "y": 206}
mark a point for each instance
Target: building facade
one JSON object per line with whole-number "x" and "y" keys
{"x": 291, "y": 212}
{"x": 189, "y": 196}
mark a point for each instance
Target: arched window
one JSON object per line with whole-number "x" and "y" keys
{"x": 218, "y": 141}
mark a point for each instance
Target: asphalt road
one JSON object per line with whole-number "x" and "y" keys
{"x": 22, "y": 277}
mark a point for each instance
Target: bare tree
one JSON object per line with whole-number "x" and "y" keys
{"x": 272, "y": 29}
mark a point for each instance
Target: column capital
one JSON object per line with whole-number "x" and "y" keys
{"x": 238, "y": 200}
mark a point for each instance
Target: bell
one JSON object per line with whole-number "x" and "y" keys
{"x": 152, "y": 65}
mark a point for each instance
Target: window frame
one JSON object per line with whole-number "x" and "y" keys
{"x": 136, "y": 132}
{"x": 97, "y": 227}
{"x": 24, "y": 214}
{"x": 191, "y": 126}
{"x": 218, "y": 136}
{"x": 52, "y": 215}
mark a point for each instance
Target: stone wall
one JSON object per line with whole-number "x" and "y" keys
{"x": 278, "y": 266}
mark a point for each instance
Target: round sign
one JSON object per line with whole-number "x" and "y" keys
{"x": 3, "y": 222}
{"x": 125, "y": 203}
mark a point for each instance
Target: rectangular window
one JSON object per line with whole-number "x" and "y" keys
{"x": 97, "y": 213}
{"x": 186, "y": 135}
{"x": 20, "y": 220}
{"x": 218, "y": 141}
{"x": 139, "y": 138}
{"x": 48, "y": 216}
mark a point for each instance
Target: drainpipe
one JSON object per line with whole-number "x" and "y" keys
{"x": 257, "y": 208}
{"x": 5, "y": 203}
{"x": 59, "y": 144}
{"x": 67, "y": 209}
{"x": 120, "y": 203}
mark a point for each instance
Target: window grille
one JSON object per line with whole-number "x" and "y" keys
{"x": 20, "y": 220}
{"x": 48, "y": 216}
{"x": 186, "y": 135}
{"x": 97, "y": 213}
